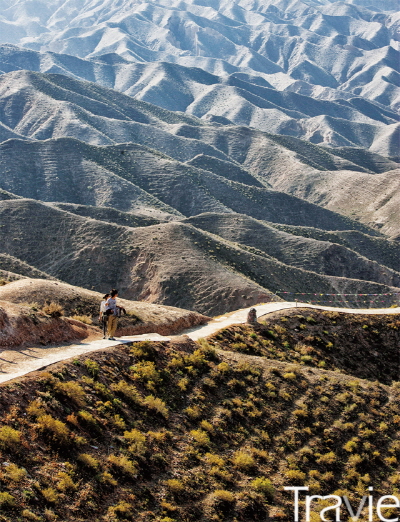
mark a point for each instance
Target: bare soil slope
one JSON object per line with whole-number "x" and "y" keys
{"x": 141, "y": 317}
{"x": 173, "y": 263}
{"x": 324, "y": 256}
{"x": 22, "y": 326}
{"x": 56, "y": 106}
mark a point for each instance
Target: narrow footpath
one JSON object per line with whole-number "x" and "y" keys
{"x": 29, "y": 361}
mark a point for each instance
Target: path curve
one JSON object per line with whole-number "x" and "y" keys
{"x": 239, "y": 316}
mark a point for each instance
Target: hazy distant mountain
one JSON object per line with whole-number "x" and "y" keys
{"x": 335, "y": 63}
{"x": 234, "y": 98}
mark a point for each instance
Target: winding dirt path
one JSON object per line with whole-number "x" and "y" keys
{"x": 16, "y": 363}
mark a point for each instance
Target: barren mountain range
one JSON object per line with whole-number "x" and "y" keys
{"x": 323, "y": 71}
{"x": 202, "y": 155}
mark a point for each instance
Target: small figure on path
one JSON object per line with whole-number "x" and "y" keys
{"x": 252, "y": 316}
{"x": 112, "y": 313}
{"x": 103, "y": 318}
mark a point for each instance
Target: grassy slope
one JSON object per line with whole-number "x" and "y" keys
{"x": 178, "y": 432}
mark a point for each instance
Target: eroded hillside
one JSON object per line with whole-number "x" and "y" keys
{"x": 41, "y": 312}
{"x": 182, "y": 264}
{"x": 127, "y": 122}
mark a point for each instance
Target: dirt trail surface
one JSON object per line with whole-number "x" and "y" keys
{"x": 15, "y": 363}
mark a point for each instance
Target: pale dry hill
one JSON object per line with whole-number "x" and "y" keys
{"x": 171, "y": 263}
{"x": 329, "y": 50}
{"x": 20, "y": 299}
{"x": 135, "y": 178}
{"x": 55, "y": 106}
{"x": 236, "y": 98}
{"x": 321, "y": 256}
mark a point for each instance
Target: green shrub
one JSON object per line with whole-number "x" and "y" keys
{"x": 6, "y": 500}
{"x": 118, "y": 422}
{"x": 144, "y": 350}
{"x": 128, "y": 391}
{"x": 175, "y": 486}
{"x": 121, "y": 509}
{"x": 207, "y": 426}
{"x": 208, "y": 350}
{"x": 88, "y": 461}
{"x": 50, "y": 494}
{"x": 29, "y": 515}
{"x": 107, "y": 478}
{"x": 222, "y": 495}
{"x": 57, "y": 429}
{"x": 197, "y": 359}
{"x": 35, "y": 409}
{"x": 9, "y": 438}
{"x": 243, "y": 460}
{"x": 14, "y": 473}
{"x": 214, "y": 460}
{"x": 125, "y": 465}
{"x": 137, "y": 442}
{"x": 327, "y": 458}
{"x": 201, "y": 437}
{"x": 223, "y": 367}
{"x": 295, "y": 474}
{"x": 194, "y": 412}
{"x": 351, "y": 445}
{"x": 65, "y": 482}
{"x": 264, "y": 486}
{"x": 183, "y": 383}
{"x": 156, "y": 404}
{"x": 89, "y": 420}
{"x": 92, "y": 367}
{"x": 146, "y": 371}
{"x": 73, "y": 390}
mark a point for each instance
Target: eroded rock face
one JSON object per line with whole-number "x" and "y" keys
{"x": 169, "y": 327}
{"x": 22, "y": 326}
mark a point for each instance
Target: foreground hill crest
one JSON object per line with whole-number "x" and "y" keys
{"x": 179, "y": 430}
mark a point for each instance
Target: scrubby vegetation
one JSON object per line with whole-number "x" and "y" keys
{"x": 179, "y": 431}
{"x": 362, "y": 345}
